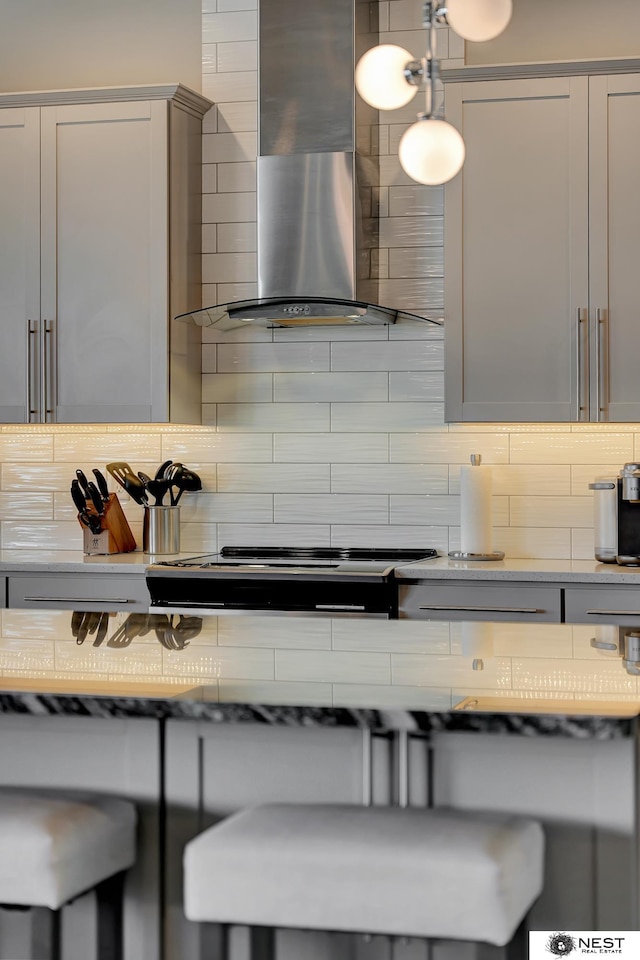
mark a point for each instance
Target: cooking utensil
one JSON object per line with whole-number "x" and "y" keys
{"x": 161, "y": 469}
{"x": 157, "y": 488}
{"x": 187, "y": 480}
{"x": 88, "y": 519}
{"x": 102, "y": 629}
{"x": 102, "y": 484}
{"x": 173, "y": 474}
{"x": 127, "y": 479}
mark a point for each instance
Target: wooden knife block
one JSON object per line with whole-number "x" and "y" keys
{"x": 115, "y": 536}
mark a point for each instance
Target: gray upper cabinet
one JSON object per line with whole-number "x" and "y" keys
{"x": 541, "y": 243}
{"x": 99, "y": 249}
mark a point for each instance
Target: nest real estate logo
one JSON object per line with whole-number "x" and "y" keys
{"x": 551, "y": 944}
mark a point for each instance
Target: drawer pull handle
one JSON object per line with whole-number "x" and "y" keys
{"x": 614, "y": 613}
{"x": 76, "y": 600}
{"x": 484, "y": 609}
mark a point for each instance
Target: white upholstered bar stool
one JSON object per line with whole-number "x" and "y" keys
{"x": 56, "y": 846}
{"x": 436, "y": 874}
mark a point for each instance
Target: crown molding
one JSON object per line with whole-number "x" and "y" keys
{"x": 526, "y": 71}
{"x": 176, "y": 92}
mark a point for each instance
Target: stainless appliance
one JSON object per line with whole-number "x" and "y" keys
{"x": 628, "y": 484}
{"x": 311, "y": 581}
{"x": 317, "y": 174}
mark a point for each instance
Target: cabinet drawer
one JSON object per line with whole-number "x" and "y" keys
{"x": 603, "y": 605}
{"x": 79, "y": 592}
{"x": 480, "y": 601}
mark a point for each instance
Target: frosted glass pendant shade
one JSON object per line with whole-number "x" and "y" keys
{"x": 431, "y": 151}
{"x": 380, "y": 77}
{"x": 479, "y": 19}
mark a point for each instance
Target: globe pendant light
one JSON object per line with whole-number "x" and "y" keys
{"x": 380, "y": 78}
{"x": 431, "y": 151}
{"x": 478, "y": 19}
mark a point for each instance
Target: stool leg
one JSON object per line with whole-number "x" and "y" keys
{"x": 517, "y": 948}
{"x": 109, "y": 903}
{"x": 46, "y": 931}
{"x": 262, "y": 943}
{"x": 214, "y": 941}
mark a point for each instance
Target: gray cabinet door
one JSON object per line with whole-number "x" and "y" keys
{"x": 19, "y": 261}
{"x": 482, "y": 600}
{"x": 104, "y": 259}
{"x": 78, "y": 592}
{"x": 516, "y": 252}
{"x": 614, "y": 239}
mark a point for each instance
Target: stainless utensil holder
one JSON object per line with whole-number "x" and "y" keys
{"x": 161, "y": 530}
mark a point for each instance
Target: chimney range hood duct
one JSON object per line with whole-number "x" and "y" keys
{"x": 317, "y": 226}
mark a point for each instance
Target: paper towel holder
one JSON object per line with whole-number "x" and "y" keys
{"x": 465, "y": 555}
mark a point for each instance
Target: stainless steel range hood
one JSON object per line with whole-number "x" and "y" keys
{"x": 317, "y": 173}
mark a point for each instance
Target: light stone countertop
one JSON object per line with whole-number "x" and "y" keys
{"x": 541, "y": 571}
{"x": 74, "y": 561}
{"x": 440, "y": 568}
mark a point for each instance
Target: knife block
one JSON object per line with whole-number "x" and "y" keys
{"x": 115, "y": 536}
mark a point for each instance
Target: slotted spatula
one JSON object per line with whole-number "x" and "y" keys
{"x": 127, "y": 479}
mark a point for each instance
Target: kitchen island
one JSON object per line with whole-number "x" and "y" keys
{"x": 195, "y": 716}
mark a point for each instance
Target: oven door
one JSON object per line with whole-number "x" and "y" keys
{"x": 274, "y": 595}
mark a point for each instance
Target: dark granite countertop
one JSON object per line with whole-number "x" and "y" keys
{"x": 519, "y": 678}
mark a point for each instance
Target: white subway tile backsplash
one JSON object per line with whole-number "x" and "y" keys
{"x": 275, "y": 534}
{"x": 389, "y": 478}
{"x": 213, "y": 447}
{"x": 412, "y": 232}
{"x": 403, "y": 355}
{"x": 310, "y": 387}
{"x": 273, "y": 357}
{"x": 230, "y": 87}
{"x": 228, "y": 267}
{"x": 26, "y": 447}
{"x": 351, "y": 535}
{"x": 238, "y": 177}
{"x": 414, "y": 262}
{"x": 236, "y": 237}
{"x": 226, "y": 27}
{"x": 445, "y": 447}
{"x": 274, "y": 632}
{"x": 330, "y": 508}
{"x": 236, "y": 117}
{"x": 596, "y": 447}
{"x": 225, "y": 207}
{"x": 389, "y": 417}
{"x": 237, "y": 55}
{"x": 332, "y": 448}
{"x": 415, "y": 200}
{"x": 406, "y": 636}
{"x": 274, "y": 477}
{"x": 551, "y": 511}
{"x": 273, "y": 417}
{"x": 438, "y": 510}
{"x": 22, "y": 506}
{"x": 425, "y": 386}
{"x": 229, "y": 147}
{"x": 237, "y": 388}
{"x": 332, "y": 666}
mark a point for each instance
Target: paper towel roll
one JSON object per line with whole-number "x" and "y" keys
{"x": 475, "y": 508}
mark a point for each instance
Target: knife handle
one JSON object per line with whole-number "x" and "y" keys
{"x": 102, "y": 484}
{"x": 96, "y": 499}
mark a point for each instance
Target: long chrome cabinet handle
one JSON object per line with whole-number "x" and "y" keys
{"x": 613, "y": 613}
{"x": 76, "y": 600}
{"x": 602, "y": 364}
{"x": 33, "y": 405}
{"x": 472, "y": 609}
{"x": 48, "y": 376}
{"x": 582, "y": 342}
